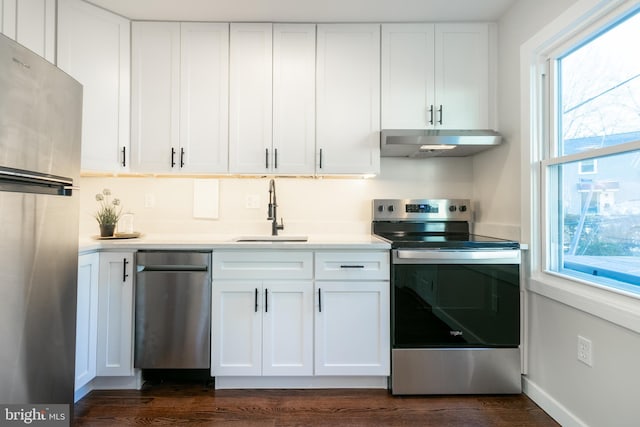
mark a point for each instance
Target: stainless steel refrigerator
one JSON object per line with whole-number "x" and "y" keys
{"x": 40, "y": 125}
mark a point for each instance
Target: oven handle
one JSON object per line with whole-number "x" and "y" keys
{"x": 444, "y": 256}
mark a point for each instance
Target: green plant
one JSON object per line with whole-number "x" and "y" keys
{"x": 109, "y": 211}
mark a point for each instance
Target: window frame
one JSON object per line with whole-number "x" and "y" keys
{"x": 616, "y": 305}
{"x": 551, "y": 156}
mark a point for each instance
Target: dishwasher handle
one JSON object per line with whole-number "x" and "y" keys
{"x": 176, "y": 268}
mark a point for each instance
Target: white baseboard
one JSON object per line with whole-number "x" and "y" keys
{"x": 82, "y": 392}
{"x": 300, "y": 382}
{"x": 550, "y": 405}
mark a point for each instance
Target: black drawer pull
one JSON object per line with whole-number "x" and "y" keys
{"x": 352, "y": 266}
{"x": 256, "y": 301}
{"x": 320, "y": 300}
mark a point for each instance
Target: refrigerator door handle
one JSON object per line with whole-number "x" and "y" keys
{"x": 25, "y": 181}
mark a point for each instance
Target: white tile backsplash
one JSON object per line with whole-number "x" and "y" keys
{"x": 307, "y": 205}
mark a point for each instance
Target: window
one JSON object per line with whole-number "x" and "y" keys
{"x": 592, "y": 169}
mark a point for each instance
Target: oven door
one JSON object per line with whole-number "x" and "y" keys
{"x": 455, "y": 298}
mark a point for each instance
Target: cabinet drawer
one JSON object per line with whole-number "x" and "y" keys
{"x": 262, "y": 265}
{"x": 352, "y": 265}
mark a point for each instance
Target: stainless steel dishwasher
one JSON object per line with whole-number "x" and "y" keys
{"x": 173, "y": 310}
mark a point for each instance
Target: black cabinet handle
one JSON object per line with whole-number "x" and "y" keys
{"x": 124, "y": 269}
{"x": 321, "y": 158}
{"x": 352, "y": 266}
{"x": 266, "y": 300}
{"x": 440, "y": 111}
{"x": 275, "y": 158}
{"x": 124, "y": 156}
{"x": 256, "y": 302}
{"x": 181, "y": 157}
{"x": 173, "y": 157}
{"x": 266, "y": 158}
{"x": 320, "y": 300}
{"x": 431, "y": 114}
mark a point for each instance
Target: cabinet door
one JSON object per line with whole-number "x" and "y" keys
{"x": 462, "y": 76}
{"x": 115, "y": 314}
{"x": 155, "y": 86}
{"x": 348, "y": 98}
{"x": 250, "y": 98}
{"x": 204, "y": 97}
{"x": 352, "y": 328}
{"x": 86, "y": 319}
{"x": 32, "y": 23}
{"x": 94, "y": 48}
{"x": 407, "y": 76}
{"x": 287, "y": 340}
{"x": 236, "y": 332}
{"x": 294, "y": 90}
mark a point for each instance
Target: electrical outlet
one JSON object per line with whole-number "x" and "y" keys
{"x": 585, "y": 351}
{"x": 252, "y": 201}
{"x": 149, "y": 200}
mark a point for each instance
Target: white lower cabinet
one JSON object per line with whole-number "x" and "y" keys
{"x": 86, "y": 319}
{"x": 270, "y": 319}
{"x": 352, "y": 321}
{"x": 115, "y": 314}
{"x": 352, "y": 328}
{"x": 262, "y": 328}
{"x": 262, "y": 313}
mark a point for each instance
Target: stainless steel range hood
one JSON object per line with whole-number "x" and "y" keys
{"x": 423, "y": 143}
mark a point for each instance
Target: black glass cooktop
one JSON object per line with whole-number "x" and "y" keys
{"x": 447, "y": 241}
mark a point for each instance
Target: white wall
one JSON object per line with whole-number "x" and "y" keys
{"x": 497, "y": 171}
{"x": 308, "y": 206}
{"x": 558, "y": 311}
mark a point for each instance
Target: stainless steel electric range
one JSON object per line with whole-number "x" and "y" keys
{"x": 455, "y": 300}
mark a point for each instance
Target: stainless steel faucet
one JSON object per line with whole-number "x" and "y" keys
{"x": 272, "y": 210}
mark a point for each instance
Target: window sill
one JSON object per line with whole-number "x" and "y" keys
{"x": 618, "y": 307}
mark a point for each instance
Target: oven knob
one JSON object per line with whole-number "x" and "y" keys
{"x": 462, "y": 208}
{"x": 390, "y": 208}
{"x": 452, "y": 208}
{"x": 380, "y": 208}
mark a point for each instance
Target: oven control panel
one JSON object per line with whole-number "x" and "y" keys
{"x": 422, "y": 210}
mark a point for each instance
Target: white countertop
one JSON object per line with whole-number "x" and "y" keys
{"x": 218, "y": 241}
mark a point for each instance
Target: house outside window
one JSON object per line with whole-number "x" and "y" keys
{"x": 588, "y": 166}
{"x": 592, "y": 163}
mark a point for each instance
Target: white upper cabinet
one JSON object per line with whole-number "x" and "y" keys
{"x": 204, "y": 96}
{"x": 155, "y": 74}
{"x": 250, "y": 98}
{"x": 272, "y": 122}
{"x": 348, "y": 98}
{"x": 407, "y": 76}
{"x": 179, "y": 97}
{"x": 294, "y": 96}
{"x": 32, "y": 23}
{"x": 94, "y": 48}
{"x": 437, "y": 76}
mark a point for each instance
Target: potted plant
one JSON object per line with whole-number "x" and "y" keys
{"x": 108, "y": 213}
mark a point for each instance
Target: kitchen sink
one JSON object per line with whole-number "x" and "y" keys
{"x": 263, "y": 238}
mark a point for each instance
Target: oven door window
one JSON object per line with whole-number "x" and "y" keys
{"x": 452, "y": 305}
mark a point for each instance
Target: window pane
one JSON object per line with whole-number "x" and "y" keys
{"x": 599, "y": 219}
{"x": 599, "y": 85}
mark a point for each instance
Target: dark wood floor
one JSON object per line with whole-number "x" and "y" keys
{"x": 175, "y": 404}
